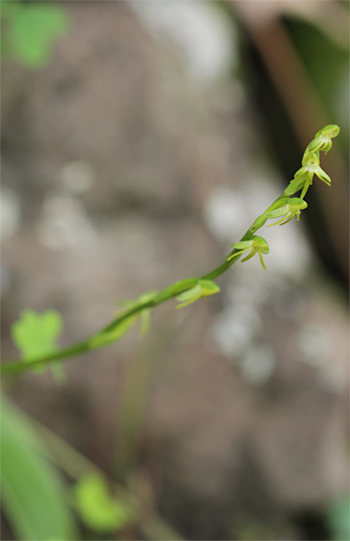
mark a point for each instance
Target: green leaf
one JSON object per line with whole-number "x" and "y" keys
{"x": 98, "y": 509}
{"x": 9, "y": 8}
{"x": 35, "y": 334}
{"x": 33, "y": 497}
{"x": 33, "y": 31}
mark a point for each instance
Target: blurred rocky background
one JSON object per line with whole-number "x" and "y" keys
{"x": 143, "y": 147}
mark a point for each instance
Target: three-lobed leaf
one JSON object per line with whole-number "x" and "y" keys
{"x": 36, "y": 334}
{"x": 33, "y": 31}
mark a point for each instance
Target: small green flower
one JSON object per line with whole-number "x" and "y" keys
{"x": 204, "y": 288}
{"x": 310, "y": 167}
{"x": 289, "y": 208}
{"x": 323, "y": 139}
{"x": 256, "y": 245}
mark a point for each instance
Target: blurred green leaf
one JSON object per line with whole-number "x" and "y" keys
{"x": 338, "y": 518}
{"x": 33, "y": 30}
{"x": 33, "y": 497}
{"x": 36, "y": 334}
{"x": 98, "y": 510}
{"x": 327, "y": 65}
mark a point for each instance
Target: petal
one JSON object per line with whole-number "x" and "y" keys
{"x": 237, "y": 254}
{"x": 305, "y": 189}
{"x": 262, "y": 261}
{"x": 243, "y": 245}
{"x": 295, "y": 185}
{"x": 311, "y": 158}
{"x": 332, "y": 130}
{"x": 322, "y": 175}
{"x": 188, "y": 302}
{"x": 252, "y": 253}
{"x": 281, "y": 220}
{"x": 302, "y": 171}
{"x": 297, "y": 203}
{"x": 278, "y": 212}
{"x": 260, "y": 243}
{"x": 193, "y": 293}
{"x": 315, "y": 145}
{"x": 208, "y": 287}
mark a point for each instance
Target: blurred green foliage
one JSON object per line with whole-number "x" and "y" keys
{"x": 33, "y": 496}
{"x": 338, "y": 518}
{"x": 29, "y": 30}
{"x": 98, "y": 509}
{"x": 327, "y": 64}
{"x": 36, "y": 334}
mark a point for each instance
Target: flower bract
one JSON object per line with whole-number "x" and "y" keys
{"x": 257, "y": 245}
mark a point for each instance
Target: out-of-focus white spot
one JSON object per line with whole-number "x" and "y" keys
{"x": 288, "y": 301}
{"x": 314, "y": 344}
{"x": 64, "y": 224}
{"x": 224, "y": 214}
{"x": 263, "y": 187}
{"x": 10, "y": 213}
{"x": 77, "y": 177}
{"x": 137, "y": 247}
{"x": 200, "y": 28}
{"x": 258, "y": 364}
{"x": 333, "y": 377}
{"x": 233, "y": 330}
{"x": 290, "y": 253}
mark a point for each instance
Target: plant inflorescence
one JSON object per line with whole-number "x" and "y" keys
{"x": 41, "y": 351}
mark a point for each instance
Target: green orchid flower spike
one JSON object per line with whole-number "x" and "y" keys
{"x": 288, "y": 209}
{"x": 323, "y": 139}
{"x": 42, "y": 350}
{"x": 204, "y": 288}
{"x": 257, "y": 245}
